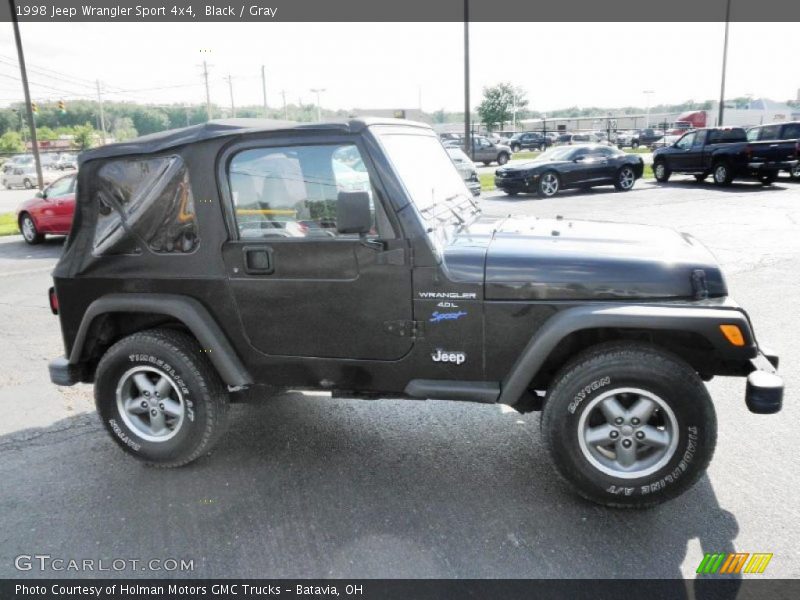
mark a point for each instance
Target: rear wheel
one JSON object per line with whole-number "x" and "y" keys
{"x": 768, "y": 179}
{"x": 629, "y": 425}
{"x": 160, "y": 398}
{"x": 661, "y": 171}
{"x": 29, "y": 232}
{"x": 625, "y": 179}
{"x": 722, "y": 174}
{"x": 634, "y": 144}
{"x": 549, "y": 184}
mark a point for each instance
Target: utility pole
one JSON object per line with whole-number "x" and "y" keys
{"x": 285, "y": 108}
{"x": 229, "y": 79}
{"x": 24, "y": 76}
{"x": 318, "y": 91}
{"x": 102, "y": 116}
{"x": 264, "y": 89}
{"x": 724, "y": 65}
{"x": 208, "y": 94}
{"x": 467, "y": 136}
{"x": 514, "y": 112}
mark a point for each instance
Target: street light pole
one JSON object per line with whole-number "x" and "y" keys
{"x": 318, "y": 91}
{"x": 23, "y": 72}
{"x": 724, "y": 65}
{"x": 647, "y": 107}
{"x": 467, "y": 136}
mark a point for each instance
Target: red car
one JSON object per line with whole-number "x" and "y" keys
{"x": 49, "y": 212}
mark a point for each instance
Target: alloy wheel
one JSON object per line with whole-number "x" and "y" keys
{"x": 626, "y": 178}
{"x": 628, "y": 433}
{"x": 549, "y": 184}
{"x": 150, "y": 403}
{"x": 28, "y": 229}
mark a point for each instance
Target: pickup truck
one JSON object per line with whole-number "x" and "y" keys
{"x": 725, "y": 154}
{"x": 235, "y": 255}
{"x": 777, "y": 131}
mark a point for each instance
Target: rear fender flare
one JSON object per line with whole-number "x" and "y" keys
{"x": 188, "y": 311}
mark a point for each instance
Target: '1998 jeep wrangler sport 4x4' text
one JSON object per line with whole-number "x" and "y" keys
{"x": 350, "y": 257}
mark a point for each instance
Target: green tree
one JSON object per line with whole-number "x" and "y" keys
{"x": 498, "y": 104}
{"x": 122, "y": 128}
{"x": 45, "y": 133}
{"x": 11, "y": 141}
{"x": 84, "y": 136}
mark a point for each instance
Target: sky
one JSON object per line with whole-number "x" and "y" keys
{"x": 399, "y": 65}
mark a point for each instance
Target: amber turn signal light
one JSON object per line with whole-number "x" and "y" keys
{"x": 733, "y": 334}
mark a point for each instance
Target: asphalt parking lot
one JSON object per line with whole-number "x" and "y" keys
{"x": 305, "y": 486}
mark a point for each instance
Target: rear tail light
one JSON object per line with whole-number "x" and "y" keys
{"x": 51, "y": 295}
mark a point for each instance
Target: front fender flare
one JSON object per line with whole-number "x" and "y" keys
{"x": 702, "y": 320}
{"x": 188, "y": 311}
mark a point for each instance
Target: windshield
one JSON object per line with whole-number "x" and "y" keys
{"x": 561, "y": 153}
{"x": 434, "y": 184}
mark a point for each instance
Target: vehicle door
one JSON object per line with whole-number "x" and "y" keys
{"x": 49, "y": 207}
{"x": 596, "y": 165}
{"x": 685, "y": 156}
{"x": 484, "y": 150}
{"x": 63, "y": 200}
{"x": 577, "y": 169}
{"x": 302, "y": 287}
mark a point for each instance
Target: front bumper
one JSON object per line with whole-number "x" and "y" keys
{"x": 764, "y": 392}
{"x": 63, "y": 373}
{"x": 516, "y": 184}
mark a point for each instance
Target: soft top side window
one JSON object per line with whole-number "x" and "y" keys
{"x": 144, "y": 203}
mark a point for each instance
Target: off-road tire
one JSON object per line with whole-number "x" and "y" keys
{"x": 607, "y": 367}
{"x": 206, "y": 399}
{"x": 663, "y": 173}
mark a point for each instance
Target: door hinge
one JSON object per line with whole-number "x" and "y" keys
{"x": 409, "y": 329}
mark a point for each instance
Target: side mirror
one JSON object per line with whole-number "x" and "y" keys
{"x": 353, "y": 213}
{"x": 41, "y": 194}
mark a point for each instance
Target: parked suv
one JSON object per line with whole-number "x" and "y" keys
{"x": 228, "y": 256}
{"x": 778, "y": 131}
{"x": 24, "y": 176}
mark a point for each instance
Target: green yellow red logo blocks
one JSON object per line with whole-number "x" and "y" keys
{"x": 723, "y": 563}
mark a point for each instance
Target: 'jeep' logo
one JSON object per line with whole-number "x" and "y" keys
{"x": 451, "y": 357}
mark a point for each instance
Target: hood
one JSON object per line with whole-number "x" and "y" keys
{"x": 561, "y": 259}
{"x": 530, "y": 165}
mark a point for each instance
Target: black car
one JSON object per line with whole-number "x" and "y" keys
{"x": 582, "y": 166}
{"x": 528, "y": 141}
{"x": 234, "y": 255}
{"x": 778, "y": 131}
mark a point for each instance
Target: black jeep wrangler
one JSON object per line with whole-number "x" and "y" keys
{"x": 350, "y": 257}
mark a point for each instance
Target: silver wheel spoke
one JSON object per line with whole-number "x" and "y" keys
{"x": 157, "y": 422}
{"x": 656, "y": 438}
{"x": 143, "y": 383}
{"x": 642, "y": 410}
{"x": 626, "y": 457}
{"x": 162, "y": 387}
{"x": 612, "y": 409}
{"x": 600, "y": 435}
{"x": 172, "y": 408}
{"x": 134, "y": 406}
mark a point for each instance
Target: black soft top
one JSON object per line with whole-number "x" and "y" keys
{"x": 164, "y": 140}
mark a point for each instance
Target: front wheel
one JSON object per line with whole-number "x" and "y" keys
{"x": 28, "y": 184}
{"x": 629, "y": 425}
{"x": 661, "y": 172}
{"x": 29, "y": 232}
{"x": 549, "y": 184}
{"x": 502, "y": 159}
{"x": 516, "y": 148}
{"x": 625, "y": 179}
{"x": 160, "y": 398}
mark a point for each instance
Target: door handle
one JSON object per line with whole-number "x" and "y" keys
{"x": 257, "y": 260}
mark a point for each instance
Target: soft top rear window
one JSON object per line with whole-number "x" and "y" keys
{"x": 144, "y": 203}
